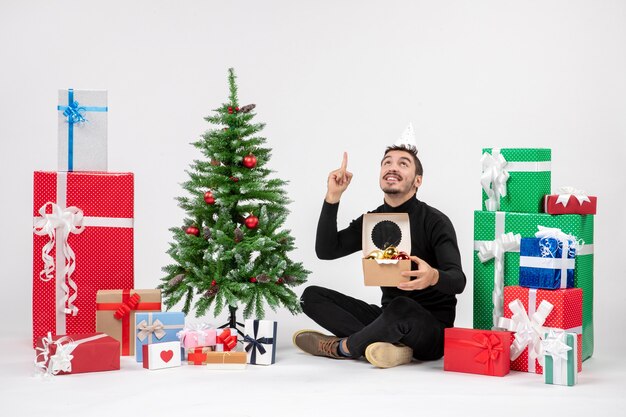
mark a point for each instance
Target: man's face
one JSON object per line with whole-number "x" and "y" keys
{"x": 397, "y": 174}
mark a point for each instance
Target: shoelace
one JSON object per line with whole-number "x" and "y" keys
{"x": 326, "y": 347}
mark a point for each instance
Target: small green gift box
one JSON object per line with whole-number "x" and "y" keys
{"x": 515, "y": 179}
{"x": 560, "y": 350}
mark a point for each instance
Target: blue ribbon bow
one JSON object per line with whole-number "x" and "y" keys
{"x": 74, "y": 112}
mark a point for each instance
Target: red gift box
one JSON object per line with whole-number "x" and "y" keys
{"x": 570, "y": 201}
{"x": 566, "y": 314}
{"x": 475, "y": 351}
{"x": 77, "y": 353}
{"x": 82, "y": 242}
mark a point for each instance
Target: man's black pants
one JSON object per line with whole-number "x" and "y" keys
{"x": 403, "y": 320}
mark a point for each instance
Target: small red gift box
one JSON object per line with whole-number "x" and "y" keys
{"x": 77, "y": 353}
{"x": 570, "y": 201}
{"x": 565, "y": 313}
{"x": 82, "y": 243}
{"x": 475, "y": 351}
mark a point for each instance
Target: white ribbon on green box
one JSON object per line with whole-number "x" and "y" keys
{"x": 560, "y": 353}
{"x": 495, "y": 249}
{"x": 494, "y": 178}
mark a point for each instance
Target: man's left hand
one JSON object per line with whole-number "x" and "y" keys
{"x": 425, "y": 276}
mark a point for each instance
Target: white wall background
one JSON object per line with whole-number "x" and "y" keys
{"x": 327, "y": 76}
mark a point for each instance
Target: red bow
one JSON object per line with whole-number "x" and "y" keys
{"x": 490, "y": 348}
{"x": 127, "y": 306}
{"x": 228, "y": 340}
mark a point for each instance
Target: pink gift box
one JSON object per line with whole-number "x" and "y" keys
{"x": 197, "y": 336}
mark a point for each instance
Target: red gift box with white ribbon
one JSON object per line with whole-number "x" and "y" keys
{"x": 530, "y": 313}
{"x": 77, "y": 353}
{"x": 570, "y": 201}
{"x": 82, "y": 243}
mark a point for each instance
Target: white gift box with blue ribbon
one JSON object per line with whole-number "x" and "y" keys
{"x": 548, "y": 260}
{"x": 260, "y": 341}
{"x": 82, "y": 136}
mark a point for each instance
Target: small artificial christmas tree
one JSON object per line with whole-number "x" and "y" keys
{"x": 231, "y": 250}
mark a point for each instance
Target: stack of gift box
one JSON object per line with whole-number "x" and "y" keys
{"x": 212, "y": 348}
{"x": 533, "y": 273}
{"x": 86, "y": 313}
{"x": 215, "y": 348}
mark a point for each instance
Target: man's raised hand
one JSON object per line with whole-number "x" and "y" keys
{"x": 338, "y": 181}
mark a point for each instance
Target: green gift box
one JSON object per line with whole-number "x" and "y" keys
{"x": 515, "y": 179}
{"x": 491, "y": 225}
{"x": 560, "y": 350}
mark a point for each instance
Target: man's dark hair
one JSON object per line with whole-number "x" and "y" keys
{"x": 409, "y": 149}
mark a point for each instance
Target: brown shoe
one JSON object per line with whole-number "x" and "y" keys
{"x": 316, "y": 343}
{"x": 388, "y": 355}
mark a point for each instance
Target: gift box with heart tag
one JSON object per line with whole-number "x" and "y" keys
{"x": 161, "y": 355}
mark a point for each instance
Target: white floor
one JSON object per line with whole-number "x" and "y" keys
{"x": 302, "y": 385}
